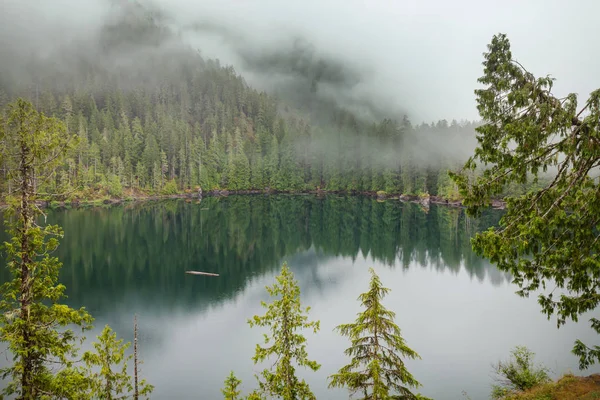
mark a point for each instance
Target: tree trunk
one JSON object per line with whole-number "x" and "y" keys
{"x": 108, "y": 383}
{"x": 27, "y": 390}
{"x": 136, "y": 393}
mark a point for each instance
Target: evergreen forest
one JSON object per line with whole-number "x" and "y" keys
{"x": 164, "y": 126}
{"x": 135, "y": 111}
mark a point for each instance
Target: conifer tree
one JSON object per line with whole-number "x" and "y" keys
{"x": 106, "y": 383}
{"x": 230, "y": 391}
{"x": 33, "y": 322}
{"x": 240, "y": 173}
{"x": 140, "y": 172}
{"x": 285, "y": 318}
{"x": 377, "y": 370}
{"x": 548, "y": 238}
{"x": 272, "y": 163}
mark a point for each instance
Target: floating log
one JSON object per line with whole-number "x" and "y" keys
{"x": 201, "y": 273}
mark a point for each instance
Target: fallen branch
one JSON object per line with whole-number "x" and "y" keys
{"x": 200, "y": 273}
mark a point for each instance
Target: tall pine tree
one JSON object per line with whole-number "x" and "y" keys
{"x": 230, "y": 390}
{"x": 34, "y": 325}
{"x": 377, "y": 370}
{"x": 285, "y": 317}
{"x": 33, "y": 322}
{"x": 106, "y": 383}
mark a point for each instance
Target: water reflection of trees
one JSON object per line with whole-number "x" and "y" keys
{"x": 144, "y": 249}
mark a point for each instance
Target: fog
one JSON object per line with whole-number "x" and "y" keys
{"x": 421, "y": 58}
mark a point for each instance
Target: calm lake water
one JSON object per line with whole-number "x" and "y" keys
{"x": 455, "y": 309}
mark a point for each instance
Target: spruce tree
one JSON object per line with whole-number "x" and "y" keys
{"x": 377, "y": 370}
{"x": 285, "y": 318}
{"x": 106, "y": 383}
{"x": 272, "y": 163}
{"x": 241, "y": 169}
{"x": 230, "y": 391}
{"x": 33, "y": 322}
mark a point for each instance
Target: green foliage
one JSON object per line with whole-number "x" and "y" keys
{"x": 230, "y": 391}
{"x": 549, "y": 235}
{"x": 170, "y": 188}
{"x": 568, "y": 387}
{"x": 518, "y": 374}
{"x": 113, "y": 186}
{"x": 33, "y": 323}
{"x": 285, "y": 318}
{"x": 391, "y": 180}
{"x": 239, "y": 168}
{"x": 376, "y": 370}
{"x": 206, "y": 127}
{"x": 447, "y": 188}
{"x": 254, "y": 396}
{"x": 105, "y": 383}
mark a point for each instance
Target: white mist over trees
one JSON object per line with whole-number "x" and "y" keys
{"x": 153, "y": 114}
{"x": 341, "y": 96}
{"x": 418, "y": 58}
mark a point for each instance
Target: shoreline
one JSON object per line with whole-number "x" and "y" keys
{"x": 424, "y": 201}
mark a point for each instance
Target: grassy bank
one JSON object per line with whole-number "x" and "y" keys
{"x": 569, "y": 387}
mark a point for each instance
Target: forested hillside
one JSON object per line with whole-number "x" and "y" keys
{"x": 172, "y": 122}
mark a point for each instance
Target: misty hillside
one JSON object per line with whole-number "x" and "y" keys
{"x": 152, "y": 113}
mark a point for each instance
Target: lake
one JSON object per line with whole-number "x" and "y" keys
{"x": 455, "y": 309}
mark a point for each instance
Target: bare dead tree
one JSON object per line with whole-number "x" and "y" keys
{"x": 135, "y": 360}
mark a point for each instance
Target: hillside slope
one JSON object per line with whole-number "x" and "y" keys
{"x": 569, "y": 387}
{"x": 148, "y": 109}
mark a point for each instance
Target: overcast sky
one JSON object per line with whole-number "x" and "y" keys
{"x": 420, "y": 57}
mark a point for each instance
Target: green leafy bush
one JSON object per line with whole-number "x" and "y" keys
{"x": 170, "y": 187}
{"x": 114, "y": 187}
{"x": 518, "y": 374}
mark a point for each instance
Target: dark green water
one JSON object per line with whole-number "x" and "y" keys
{"x": 455, "y": 309}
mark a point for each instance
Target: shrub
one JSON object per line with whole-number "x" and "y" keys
{"x": 518, "y": 374}
{"x": 114, "y": 187}
{"x": 170, "y": 187}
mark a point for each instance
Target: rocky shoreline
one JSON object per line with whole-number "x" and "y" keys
{"x": 424, "y": 201}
